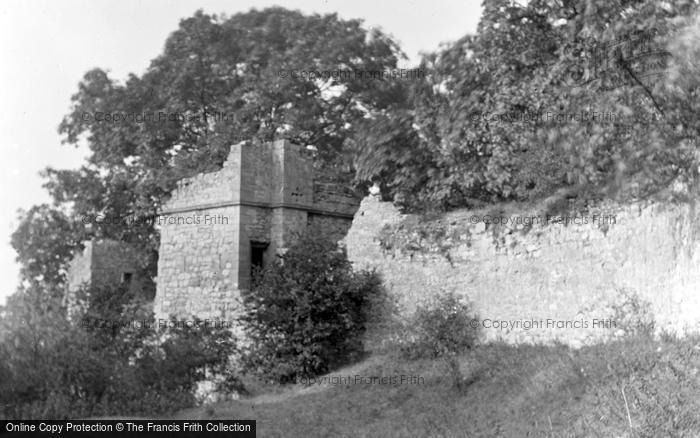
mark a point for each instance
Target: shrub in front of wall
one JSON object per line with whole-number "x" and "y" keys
{"x": 307, "y": 311}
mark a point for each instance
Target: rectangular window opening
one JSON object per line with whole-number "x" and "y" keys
{"x": 126, "y": 278}
{"x": 257, "y": 256}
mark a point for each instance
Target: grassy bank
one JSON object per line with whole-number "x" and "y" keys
{"x": 637, "y": 387}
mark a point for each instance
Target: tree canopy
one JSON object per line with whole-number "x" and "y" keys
{"x": 495, "y": 118}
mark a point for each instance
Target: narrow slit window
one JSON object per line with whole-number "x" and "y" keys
{"x": 126, "y": 278}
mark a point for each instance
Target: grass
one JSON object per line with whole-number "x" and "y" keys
{"x": 637, "y": 387}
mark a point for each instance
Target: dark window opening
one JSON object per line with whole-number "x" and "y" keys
{"x": 257, "y": 257}
{"x": 126, "y": 278}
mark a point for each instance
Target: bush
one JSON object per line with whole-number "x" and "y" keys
{"x": 306, "y": 313}
{"x": 54, "y": 368}
{"x": 442, "y": 328}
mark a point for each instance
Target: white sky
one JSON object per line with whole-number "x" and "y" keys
{"x": 47, "y": 45}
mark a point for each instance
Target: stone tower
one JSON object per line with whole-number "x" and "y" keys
{"x": 103, "y": 262}
{"x": 217, "y": 226}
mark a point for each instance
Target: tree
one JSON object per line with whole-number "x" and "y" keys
{"x": 490, "y": 122}
{"x": 44, "y": 241}
{"x": 470, "y": 156}
{"x": 218, "y": 80}
{"x": 647, "y": 148}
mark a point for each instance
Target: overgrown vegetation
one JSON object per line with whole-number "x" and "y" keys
{"x": 114, "y": 360}
{"x": 444, "y": 328}
{"x": 637, "y": 385}
{"x": 494, "y": 119}
{"x": 513, "y": 391}
{"x": 307, "y": 312}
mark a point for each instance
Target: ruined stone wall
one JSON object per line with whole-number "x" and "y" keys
{"x": 110, "y": 260}
{"x": 80, "y": 267}
{"x": 569, "y": 274}
{"x": 79, "y": 274}
{"x": 101, "y": 262}
{"x": 335, "y": 228}
{"x": 333, "y": 197}
{"x": 207, "y": 188}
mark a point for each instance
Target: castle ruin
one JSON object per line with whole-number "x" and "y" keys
{"x": 217, "y": 227}
{"x": 103, "y": 262}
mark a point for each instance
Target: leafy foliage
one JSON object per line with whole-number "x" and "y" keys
{"x": 443, "y": 327}
{"x": 44, "y": 241}
{"x": 102, "y": 364}
{"x": 490, "y": 121}
{"x": 306, "y": 313}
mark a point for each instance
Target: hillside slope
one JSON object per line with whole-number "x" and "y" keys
{"x": 636, "y": 387}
